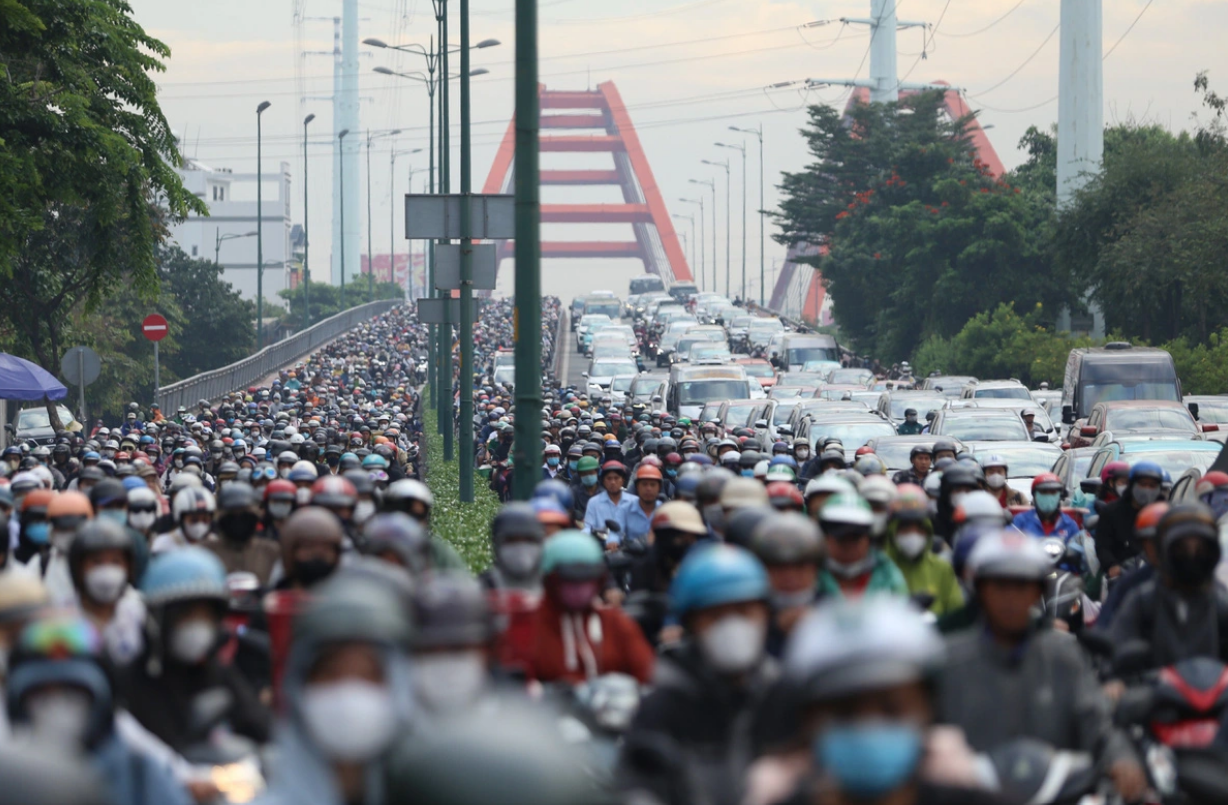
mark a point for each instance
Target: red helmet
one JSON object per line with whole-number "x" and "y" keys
{"x": 280, "y": 489}
{"x": 647, "y": 472}
{"x": 1114, "y": 469}
{"x": 333, "y": 491}
{"x": 1147, "y": 520}
{"x": 785, "y": 496}
{"x": 1047, "y": 480}
{"x": 614, "y": 466}
{"x": 1211, "y": 481}
{"x": 864, "y": 450}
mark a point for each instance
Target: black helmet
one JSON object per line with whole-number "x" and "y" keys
{"x": 236, "y": 496}
{"x": 749, "y": 458}
{"x": 946, "y": 445}
{"x": 788, "y": 538}
{"x": 451, "y": 610}
{"x": 742, "y": 524}
{"x": 710, "y": 486}
{"x": 516, "y": 520}
{"x": 959, "y": 474}
{"x": 96, "y": 535}
{"x": 920, "y": 450}
{"x": 400, "y": 535}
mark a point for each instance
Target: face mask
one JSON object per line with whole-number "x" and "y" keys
{"x": 552, "y": 462}
{"x": 61, "y": 540}
{"x": 38, "y": 533}
{"x": 106, "y": 583}
{"x": 237, "y": 526}
{"x": 571, "y": 465}
{"x": 195, "y": 532}
{"x": 1143, "y": 496}
{"x": 60, "y": 718}
{"x": 191, "y": 642}
{"x": 449, "y": 681}
{"x": 995, "y": 481}
{"x": 313, "y": 570}
{"x": 178, "y": 463}
{"x": 714, "y": 516}
{"x": 142, "y": 521}
{"x": 869, "y": 760}
{"x": 588, "y": 480}
{"x": 782, "y": 601}
{"x": 734, "y": 644}
{"x": 851, "y": 570}
{"x": 363, "y": 510}
{"x": 748, "y": 473}
{"x": 576, "y": 596}
{"x": 280, "y": 509}
{"x": 911, "y": 544}
{"x": 350, "y": 720}
{"x": 1191, "y": 570}
{"x": 1047, "y": 502}
{"x": 670, "y": 473}
{"x": 284, "y": 473}
{"x": 1121, "y": 489}
{"x": 302, "y": 496}
{"x": 879, "y": 525}
{"x": 520, "y": 559}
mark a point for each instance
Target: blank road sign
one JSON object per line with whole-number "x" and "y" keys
{"x": 491, "y": 216}
{"x": 447, "y": 266}
{"x": 442, "y": 311}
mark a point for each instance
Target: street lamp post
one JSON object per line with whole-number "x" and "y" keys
{"x": 700, "y": 202}
{"x": 371, "y": 255}
{"x": 341, "y": 190}
{"x": 691, "y": 241}
{"x": 762, "y": 212}
{"x": 392, "y": 227}
{"x": 219, "y": 239}
{"x": 728, "y": 196}
{"x": 259, "y": 231}
{"x": 711, "y": 185}
{"x": 306, "y": 208}
{"x": 742, "y": 149}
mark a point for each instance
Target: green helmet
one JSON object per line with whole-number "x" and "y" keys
{"x": 781, "y": 472}
{"x": 587, "y": 464}
{"x": 846, "y": 509}
{"x": 574, "y": 555}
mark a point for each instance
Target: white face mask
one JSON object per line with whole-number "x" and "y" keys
{"x": 350, "y": 720}
{"x": 106, "y": 583}
{"x": 284, "y": 472}
{"x": 363, "y": 510}
{"x": 280, "y": 509}
{"x": 879, "y": 526}
{"x": 60, "y": 718}
{"x": 195, "y": 532}
{"x": 303, "y": 496}
{"x": 61, "y": 540}
{"x": 733, "y": 644}
{"x": 995, "y": 481}
{"x": 192, "y": 641}
{"x": 449, "y": 681}
{"x": 911, "y": 544}
{"x": 1121, "y": 489}
{"x": 520, "y": 559}
{"x": 142, "y": 521}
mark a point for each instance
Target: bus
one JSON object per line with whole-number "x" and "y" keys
{"x": 646, "y": 283}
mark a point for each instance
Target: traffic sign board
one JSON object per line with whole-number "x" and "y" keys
{"x": 154, "y": 327}
{"x": 78, "y": 363}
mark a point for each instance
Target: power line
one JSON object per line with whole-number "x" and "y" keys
{"x": 1015, "y": 111}
{"x": 990, "y": 25}
{"x": 1128, "y": 30}
{"x": 1026, "y": 62}
{"x": 925, "y": 44}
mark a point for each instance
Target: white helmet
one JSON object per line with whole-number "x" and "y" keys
{"x": 410, "y": 489}
{"x": 193, "y": 499}
{"x": 1009, "y": 555}
{"x": 828, "y": 483}
{"x": 184, "y": 480}
{"x": 878, "y": 489}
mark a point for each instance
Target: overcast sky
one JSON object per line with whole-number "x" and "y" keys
{"x": 687, "y": 69}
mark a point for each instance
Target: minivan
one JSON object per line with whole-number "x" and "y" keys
{"x": 797, "y": 348}
{"x": 1116, "y": 371}
{"x": 691, "y": 387}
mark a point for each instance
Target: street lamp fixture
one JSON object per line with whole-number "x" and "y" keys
{"x": 742, "y": 150}
{"x": 341, "y": 195}
{"x": 260, "y": 229}
{"x": 370, "y": 255}
{"x": 306, "y": 242}
{"x": 762, "y": 212}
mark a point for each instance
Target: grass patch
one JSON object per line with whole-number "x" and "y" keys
{"x": 465, "y": 525}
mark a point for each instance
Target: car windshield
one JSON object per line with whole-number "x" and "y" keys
{"x": 608, "y": 368}
{"x": 759, "y": 369}
{"x": 800, "y": 379}
{"x": 695, "y": 392}
{"x": 851, "y": 434}
{"x": 701, "y": 352}
{"x": 1004, "y": 393}
{"x": 37, "y": 418}
{"x": 711, "y": 411}
{"x": 1024, "y": 462}
{"x": 922, "y": 405}
{"x": 851, "y": 376}
{"x": 790, "y": 392}
{"x": 738, "y": 416}
{"x": 1105, "y": 381}
{"x": 894, "y": 454}
{"x": 1126, "y": 419}
{"x": 1213, "y": 413}
{"x": 781, "y": 415}
{"x": 505, "y": 358}
{"x": 1175, "y": 461}
{"x": 985, "y": 429}
{"x": 1082, "y": 462}
{"x": 610, "y": 307}
{"x": 622, "y": 383}
{"x": 799, "y": 355}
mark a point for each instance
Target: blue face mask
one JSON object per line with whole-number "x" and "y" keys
{"x": 671, "y": 473}
{"x": 1047, "y": 502}
{"x": 571, "y": 465}
{"x": 114, "y": 515}
{"x": 748, "y": 473}
{"x": 588, "y": 480}
{"x": 552, "y": 462}
{"x": 869, "y": 759}
{"x": 38, "y": 533}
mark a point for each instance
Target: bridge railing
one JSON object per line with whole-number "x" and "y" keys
{"x": 241, "y": 374}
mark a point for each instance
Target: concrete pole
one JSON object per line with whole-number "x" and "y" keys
{"x": 350, "y": 120}
{"x": 465, "y": 433}
{"x": 1080, "y": 115}
{"x": 886, "y": 85}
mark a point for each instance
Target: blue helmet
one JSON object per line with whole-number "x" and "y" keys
{"x": 717, "y": 575}
{"x": 187, "y": 574}
{"x": 1146, "y": 469}
{"x": 788, "y": 461}
{"x": 554, "y": 488}
{"x": 134, "y": 482}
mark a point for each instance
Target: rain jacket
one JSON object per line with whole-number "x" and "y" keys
{"x": 566, "y": 645}
{"x": 928, "y": 574}
{"x": 885, "y": 577}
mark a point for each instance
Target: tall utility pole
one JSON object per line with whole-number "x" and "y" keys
{"x": 341, "y": 139}
{"x": 741, "y": 148}
{"x": 445, "y": 164}
{"x": 370, "y": 254}
{"x": 259, "y": 231}
{"x": 306, "y": 241}
{"x": 1080, "y": 113}
{"x": 728, "y": 235}
{"x": 347, "y": 103}
{"x": 762, "y": 212}
{"x": 527, "y": 314}
{"x": 711, "y": 185}
{"x": 466, "y": 272}
{"x": 702, "y": 260}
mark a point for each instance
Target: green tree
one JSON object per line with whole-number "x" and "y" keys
{"x": 326, "y": 299}
{"x": 217, "y": 323}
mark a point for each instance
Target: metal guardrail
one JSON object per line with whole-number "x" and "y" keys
{"x": 241, "y": 374}
{"x": 560, "y": 345}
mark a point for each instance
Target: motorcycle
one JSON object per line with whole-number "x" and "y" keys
{"x": 1064, "y": 590}
{"x": 1031, "y": 771}
{"x": 595, "y": 715}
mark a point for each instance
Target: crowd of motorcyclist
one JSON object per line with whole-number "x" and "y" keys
{"x": 679, "y": 615}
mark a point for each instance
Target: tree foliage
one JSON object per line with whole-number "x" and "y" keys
{"x": 217, "y": 322}
{"x": 326, "y": 299}
{"x": 920, "y": 237}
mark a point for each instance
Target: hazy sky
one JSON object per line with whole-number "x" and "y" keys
{"x": 687, "y": 69}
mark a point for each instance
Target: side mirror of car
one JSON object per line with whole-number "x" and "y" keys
{"x": 584, "y": 375}
{"x": 930, "y": 416}
{"x": 787, "y": 429}
{"x": 1193, "y": 410}
{"x": 1040, "y": 437}
{"x": 1068, "y": 416}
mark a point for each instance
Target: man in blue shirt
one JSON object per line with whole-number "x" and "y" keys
{"x": 609, "y": 504}
{"x": 1046, "y": 518}
{"x": 647, "y": 487}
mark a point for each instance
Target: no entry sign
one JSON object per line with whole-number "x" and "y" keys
{"x": 154, "y": 327}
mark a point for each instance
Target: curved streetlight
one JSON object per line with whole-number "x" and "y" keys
{"x": 762, "y": 212}
{"x": 370, "y": 255}
{"x": 306, "y": 242}
{"x": 341, "y": 196}
{"x": 259, "y": 230}
{"x": 741, "y": 149}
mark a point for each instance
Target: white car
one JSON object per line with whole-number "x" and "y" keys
{"x": 601, "y": 374}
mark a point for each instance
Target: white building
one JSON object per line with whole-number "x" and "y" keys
{"x": 229, "y": 231}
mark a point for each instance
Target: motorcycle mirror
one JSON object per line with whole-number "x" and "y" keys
{"x": 1068, "y": 417}
{"x": 1090, "y": 485}
{"x": 612, "y": 526}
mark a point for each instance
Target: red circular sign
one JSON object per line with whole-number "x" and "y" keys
{"x": 154, "y": 327}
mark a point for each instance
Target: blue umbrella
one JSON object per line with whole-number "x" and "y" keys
{"x": 22, "y": 380}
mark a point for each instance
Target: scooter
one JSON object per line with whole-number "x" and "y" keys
{"x": 1033, "y": 772}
